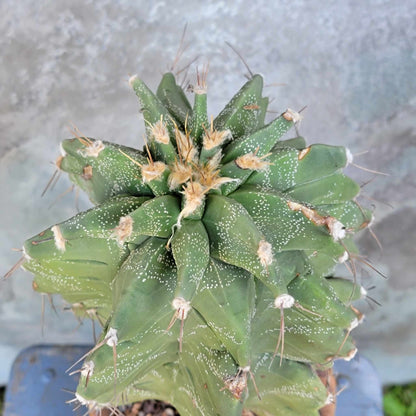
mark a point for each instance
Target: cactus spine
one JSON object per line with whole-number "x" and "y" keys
{"x": 208, "y": 258}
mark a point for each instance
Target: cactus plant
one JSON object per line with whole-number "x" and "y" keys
{"x": 208, "y": 258}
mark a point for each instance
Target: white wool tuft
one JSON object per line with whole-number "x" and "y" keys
{"x": 87, "y": 368}
{"x": 349, "y": 156}
{"x": 160, "y": 132}
{"x": 329, "y": 399}
{"x": 123, "y": 229}
{"x": 25, "y": 255}
{"x": 355, "y": 322}
{"x": 351, "y": 354}
{"x": 152, "y": 171}
{"x": 182, "y": 306}
{"x": 371, "y": 223}
{"x": 344, "y": 257}
{"x": 59, "y": 239}
{"x": 93, "y": 150}
{"x": 61, "y": 148}
{"x": 265, "y": 253}
{"x": 292, "y": 115}
{"x": 251, "y": 161}
{"x": 132, "y": 79}
{"x": 284, "y": 301}
{"x": 337, "y": 230}
{"x": 85, "y": 402}
{"x": 111, "y": 337}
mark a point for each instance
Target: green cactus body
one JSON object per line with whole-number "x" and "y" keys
{"x": 208, "y": 258}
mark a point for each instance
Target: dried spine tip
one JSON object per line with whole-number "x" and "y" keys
{"x": 291, "y": 115}
{"x": 265, "y": 253}
{"x": 87, "y": 172}
{"x": 58, "y": 162}
{"x": 152, "y": 171}
{"x": 360, "y": 315}
{"x": 123, "y": 229}
{"x": 351, "y": 354}
{"x": 93, "y": 150}
{"x": 251, "y": 107}
{"x": 201, "y": 81}
{"x": 303, "y": 153}
{"x": 111, "y": 337}
{"x": 182, "y": 306}
{"x": 336, "y": 228}
{"x": 284, "y": 301}
{"x": 252, "y": 161}
{"x": 58, "y": 237}
{"x": 160, "y": 132}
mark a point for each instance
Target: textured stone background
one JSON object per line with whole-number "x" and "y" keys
{"x": 352, "y": 63}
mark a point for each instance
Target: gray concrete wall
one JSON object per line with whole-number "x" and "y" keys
{"x": 351, "y": 62}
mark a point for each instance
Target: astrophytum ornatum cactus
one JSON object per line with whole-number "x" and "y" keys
{"x": 208, "y": 258}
